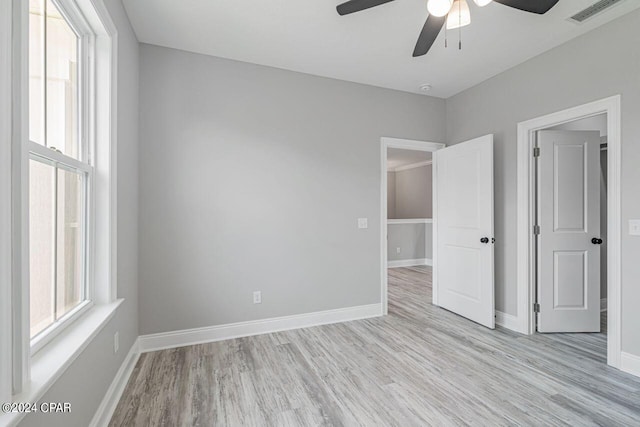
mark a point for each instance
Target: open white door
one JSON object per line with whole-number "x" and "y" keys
{"x": 569, "y": 240}
{"x": 463, "y": 224}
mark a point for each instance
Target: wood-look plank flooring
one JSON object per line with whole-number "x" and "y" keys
{"x": 418, "y": 366}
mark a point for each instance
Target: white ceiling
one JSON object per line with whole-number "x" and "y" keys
{"x": 397, "y": 157}
{"x": 372, "y": 47}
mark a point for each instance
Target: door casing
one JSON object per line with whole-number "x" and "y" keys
{"x": 526, "y": 216}
{"x": 405, "y": 144}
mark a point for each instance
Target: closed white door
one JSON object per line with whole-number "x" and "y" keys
{"x": 463, "y": 224}
{"x": 569, "y": 240}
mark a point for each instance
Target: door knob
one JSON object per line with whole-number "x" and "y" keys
{"x": 484, "y": 240}
{"x": 596, "y": 241}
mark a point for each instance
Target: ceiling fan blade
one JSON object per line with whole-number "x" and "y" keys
{"x": 358, "y": 5}
{"x": 428, "y": 34}
{"x": 534, "y": 6}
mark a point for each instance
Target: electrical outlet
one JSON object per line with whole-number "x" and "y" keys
{"x": 257, "y": 297}
{"x": 363, "y": 223}
{"x": 116, "y": 342}
{"x": 397, "y": 250}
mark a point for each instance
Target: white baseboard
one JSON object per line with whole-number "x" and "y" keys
{"x": 603, "y": 304}
{"x": 186, "y": 337}
{"x": 409, "y": 262}
{"x": 508, "y": 321}
{"x": 630, "y": 363}
{"x": 112, "y": 397}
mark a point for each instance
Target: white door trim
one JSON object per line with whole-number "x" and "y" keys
{"x": 406, "y": 144}
{"x": 6, "y": 61}
{"x": 525, "y": 200}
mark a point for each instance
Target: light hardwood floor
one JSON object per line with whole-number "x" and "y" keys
{"x": 418, "y": 366}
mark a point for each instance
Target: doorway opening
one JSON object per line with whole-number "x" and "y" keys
{"x": 553, "y": 266}
{"x": 570, "y": 233}
{"x": 406, "y": 210}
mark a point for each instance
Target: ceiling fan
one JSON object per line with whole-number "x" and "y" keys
{"x": 455, "y": 13}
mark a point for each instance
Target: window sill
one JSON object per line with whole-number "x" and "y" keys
{"x": 53, "y": 360}
{"x": 49, "y": 334}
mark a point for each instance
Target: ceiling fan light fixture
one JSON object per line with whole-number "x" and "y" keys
{"x": 439, "y": 8}
{"x": 450, "y": 14}
{"x": 459, "y": 15}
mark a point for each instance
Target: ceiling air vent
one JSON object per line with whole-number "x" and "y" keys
{"x": 593, "y": 10}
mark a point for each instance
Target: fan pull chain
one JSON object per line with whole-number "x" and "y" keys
{"x": 445, "y": 36}
{"x": 460, "y": 27}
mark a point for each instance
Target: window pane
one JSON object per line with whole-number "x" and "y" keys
{"x": 36, "y": 71}
{"x": 70, "y": 260}
{"x": 41, "y": 244}
{"x": 62, "y": 83}
{"x": 56, "y": 243}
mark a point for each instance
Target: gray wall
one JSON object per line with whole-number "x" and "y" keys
{"x": 409, "y": 193}
{"x": 391, "y": 194}
{"x": 601, "y": 63}
{"x": 414, "y": 240}
{"x": 413, "y": 193}
{"x": 85, "y": 382}
{"x": 253, "y": 178}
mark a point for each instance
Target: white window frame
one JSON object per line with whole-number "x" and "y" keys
{"x": 24, "y": 378}
{"x": 5, "y": 200}
{"x": 86, "y": 146}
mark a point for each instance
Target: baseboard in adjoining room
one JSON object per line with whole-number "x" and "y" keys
{"x": 110, "y": 401}
{"x": 164, "y": 340}
{"x": 409, "y": 262}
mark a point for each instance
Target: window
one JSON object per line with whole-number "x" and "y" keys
{"x": 60, "y": 172}
{"x": 62, "y": 217}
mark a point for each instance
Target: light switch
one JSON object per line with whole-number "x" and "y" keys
{"x": 257, "y": 297}
{"x": 363, "y": 223}
{"x": 634, "y": 227}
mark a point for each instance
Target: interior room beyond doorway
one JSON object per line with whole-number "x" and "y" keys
{"x": 409, "y": 208}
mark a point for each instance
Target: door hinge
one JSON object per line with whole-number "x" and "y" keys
{"x": 536, "y": 151}
{"x": 536, "y": 230}
{"x": 536, "y": 307}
